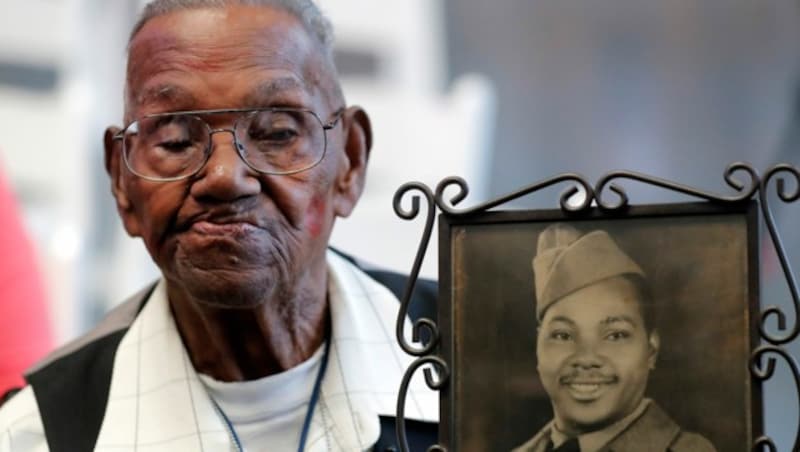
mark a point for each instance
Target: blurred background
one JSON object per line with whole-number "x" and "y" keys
{"x": 503, "y": 93}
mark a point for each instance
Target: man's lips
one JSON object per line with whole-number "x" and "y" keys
{"x": 228, "y": 228}
{"x": 587, "y": 389}
{"x": 219, "y": 221}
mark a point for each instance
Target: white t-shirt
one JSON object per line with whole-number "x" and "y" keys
{"x": 267, "y": 414}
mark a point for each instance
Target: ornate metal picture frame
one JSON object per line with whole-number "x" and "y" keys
{"x": 699, "y": 266}
{"x": 717, "y": 343}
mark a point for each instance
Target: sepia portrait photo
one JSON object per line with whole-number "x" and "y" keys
{"x": 626, "y": 333}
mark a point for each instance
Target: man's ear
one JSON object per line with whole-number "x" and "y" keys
{"x": 357, "y": 140}
{"x": 114, "y": 167}
{"x": 654, "y": 344}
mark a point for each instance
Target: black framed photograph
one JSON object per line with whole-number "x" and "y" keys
{"x": 604, "y": 329}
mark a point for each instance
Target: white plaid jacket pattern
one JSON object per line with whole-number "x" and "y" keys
{"x": 157, "y": 403}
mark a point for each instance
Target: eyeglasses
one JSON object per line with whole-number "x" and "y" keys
{"x": 173, "y": 146}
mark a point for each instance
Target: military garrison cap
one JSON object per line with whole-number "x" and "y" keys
{"x": 567, "y": 260}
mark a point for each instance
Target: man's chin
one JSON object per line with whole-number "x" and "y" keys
{"x": 227, "y": 289}
{"x": 588, "y": 418}
{"x": 228, "y": 301}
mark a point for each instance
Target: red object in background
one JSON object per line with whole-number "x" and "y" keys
{"x": 25, "y": 333}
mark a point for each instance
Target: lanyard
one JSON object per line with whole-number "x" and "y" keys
{"x": 309, "y": 411}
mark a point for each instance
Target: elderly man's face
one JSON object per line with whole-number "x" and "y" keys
{"x": 229, "y": 235}
{"x": 594, "y": 355}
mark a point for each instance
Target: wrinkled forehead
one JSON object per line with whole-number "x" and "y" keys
{"x": 222, "y": 40}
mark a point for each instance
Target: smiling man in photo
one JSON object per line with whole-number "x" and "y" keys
{"x": 596, "y": 346}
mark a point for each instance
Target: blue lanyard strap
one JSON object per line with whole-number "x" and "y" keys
{"x": 315, "y": 394}
{"x": 231, "y": 431}
{"x": 309, "y": 411}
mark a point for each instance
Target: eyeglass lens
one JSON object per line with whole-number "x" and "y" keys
{"x": 271, "y": 141}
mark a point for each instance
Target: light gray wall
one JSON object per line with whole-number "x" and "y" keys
{"x": 675, "y": 88}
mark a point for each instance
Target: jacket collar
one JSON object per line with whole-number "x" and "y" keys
{"x": 654, "y": 431}
{"x": 156, "y": 398}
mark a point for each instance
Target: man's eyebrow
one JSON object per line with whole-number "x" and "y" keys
{"x": 561, "y": 318}
{"x": 272, "y": 88}
{"x": 164, "y": 94}
{"x": 618, "y": 319}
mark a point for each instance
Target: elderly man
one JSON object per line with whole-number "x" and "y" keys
{"x": 596, "y": 346}
{"x": 236, "y": 156}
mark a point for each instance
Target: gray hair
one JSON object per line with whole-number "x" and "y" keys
{"x": 305, "y": 11}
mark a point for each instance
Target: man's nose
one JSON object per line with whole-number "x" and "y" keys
{"x": 225, "y": 176}
{"x": 586, "y": 355}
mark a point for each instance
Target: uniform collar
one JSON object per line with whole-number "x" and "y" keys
{"x": 594, "y": 441}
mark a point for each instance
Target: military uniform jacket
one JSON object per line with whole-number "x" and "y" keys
{"x": 653, "y": 431}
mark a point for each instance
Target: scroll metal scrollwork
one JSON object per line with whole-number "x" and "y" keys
{"x": 441, "y": 367}
{"x": 448, "y": 205}
{"x": 443, "y": 371}
{"x": 785, "y": 196}
{"x": 745, "y": 190}
{"x": 410, "y": 214}
{"x": 765, "y": 373}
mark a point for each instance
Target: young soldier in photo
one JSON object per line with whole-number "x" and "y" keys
{"x": 596, "y": 346}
